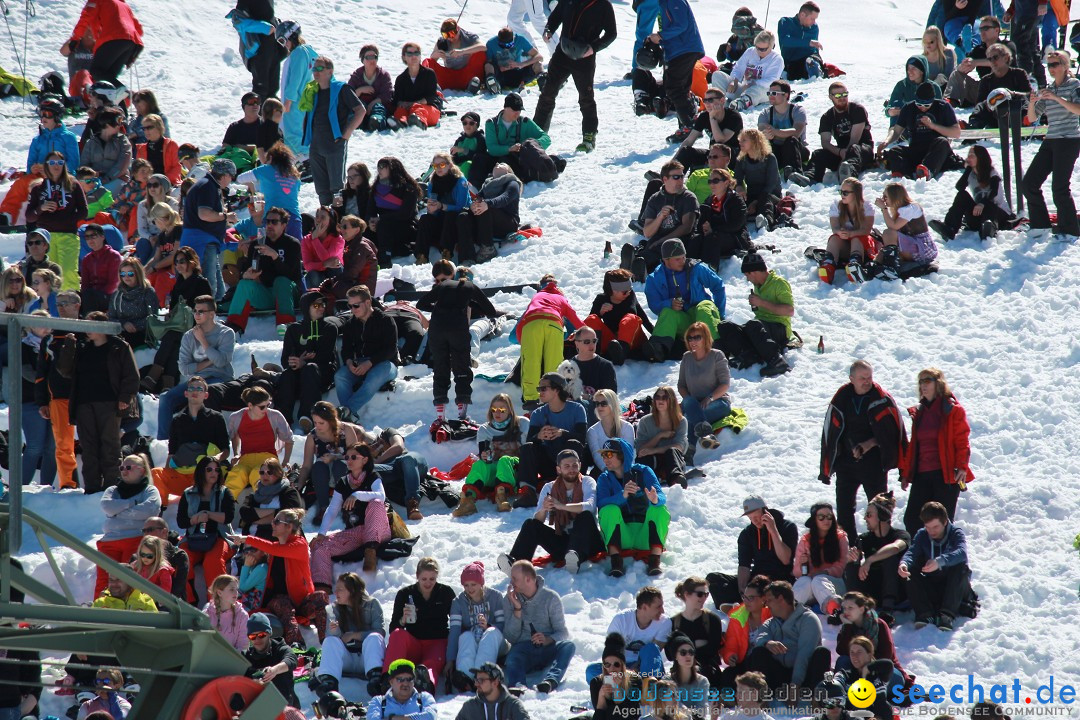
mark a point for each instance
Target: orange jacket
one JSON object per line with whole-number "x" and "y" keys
{"x": 170, "y": 155}
{"x": 297, "y": 558}
{"x": 953, "y": 443}
{"x": 737, "y": 636}
{"x": 108, "y": 20}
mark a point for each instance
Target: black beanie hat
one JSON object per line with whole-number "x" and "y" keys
{"x": 614, "y": 646}
{"x": 753, "y": 262}
{"x": 675, "y": 641}
{"x": 925, "y": 92}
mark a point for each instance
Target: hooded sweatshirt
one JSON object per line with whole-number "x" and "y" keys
{"x": 904, "y": 91}
{"x": 609, "y": 487}
{"x": 307, "y": 335}
{"x": 505, "y": 707}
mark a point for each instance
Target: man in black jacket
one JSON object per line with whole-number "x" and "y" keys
{"x": 862, "y": 440}
{"x": 766, "y": 547}
{"x": 309, "y": 359}
{"x": 452, "y": 304}
{"x": 270, "y": 274}
{"x": 272, "y": 661}
{"x": 177, "y": 556}
{"x": 588, "y": 28}
{"x": 192, "y": 432}
{"x": 368, "y": 351}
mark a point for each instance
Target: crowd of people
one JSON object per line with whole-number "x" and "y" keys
{"x": 125, "y": 224}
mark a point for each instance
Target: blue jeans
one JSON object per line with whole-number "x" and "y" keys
{"x": 314, "y": 278}
{"x": 211, "y": 264}
{"x": 407, "y": 468}
{"x": 40, "y": 446}
{"x": 324, "y": 477}
{"x": 691, "y": 408}
{"x": 354, "y": 392}
{"x": 168, "y": 405}
{"x": 10, "y": 713}
{"x": 525, "y": 657}
{"x": 958, "y": 32}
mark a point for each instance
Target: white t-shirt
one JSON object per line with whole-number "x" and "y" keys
{"x": 910, "y": 212}
{"x": 625, "y": 623}
{"x": 868, "y": 211}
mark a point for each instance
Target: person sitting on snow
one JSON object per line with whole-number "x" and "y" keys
{"x": 799, "y": 44}
{"x": 764, "y": 338}
{"x": 929, "y": 124}
{"x": 753, "y": 73}
{"x": 680, "y": 292}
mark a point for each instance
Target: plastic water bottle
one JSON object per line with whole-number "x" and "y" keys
{"x": 410, "y": 612}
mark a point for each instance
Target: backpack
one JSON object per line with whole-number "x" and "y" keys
{"x": 535, "y": 163}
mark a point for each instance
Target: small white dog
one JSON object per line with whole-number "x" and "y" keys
{"x": 572, "y": 373}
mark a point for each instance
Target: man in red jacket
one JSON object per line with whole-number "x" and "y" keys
{"x": 118, "y": 37}
{"x": 99, "y": 271}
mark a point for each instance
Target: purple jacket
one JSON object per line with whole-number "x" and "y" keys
{"x": 383, "y": 85}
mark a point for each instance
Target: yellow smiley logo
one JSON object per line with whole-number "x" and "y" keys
{"x": 862, "y": 693}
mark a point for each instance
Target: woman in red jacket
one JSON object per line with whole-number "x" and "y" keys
{"x": 935, "y": 465}
{"x": 289, "y": 589}
{"x": 117, "y": 34}
{"x": 161, "y": 152}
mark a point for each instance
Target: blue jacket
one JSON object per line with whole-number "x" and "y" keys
{"x": 421, "y": 706}
{"x": 60, "y": 139}
{"x": 297, "y": 72}
{"x": 457, "y": 199}
{"x": 678, "y": 30}
{"x": 795, "y": 39}
{"x": 332, "y": 111}
{"x": 251, "y": 33}
{"x": 950, "y": 551}
{"x": 609, "y": 489}
{"x": 698, "y": 276}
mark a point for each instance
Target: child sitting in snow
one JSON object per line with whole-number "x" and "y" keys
{"x": 252, "y": 583}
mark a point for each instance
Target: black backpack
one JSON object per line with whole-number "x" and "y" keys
{"x": 535, "y": 163}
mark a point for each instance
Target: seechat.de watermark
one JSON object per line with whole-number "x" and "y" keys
{"x": 1050, "y": 698}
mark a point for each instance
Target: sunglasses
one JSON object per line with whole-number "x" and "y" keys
{"x": 129, "y": 467}
{"x": 147, "y": 556}
{"x": 695, "y": 338}
{"x": 542, "y": 388}
{"x": 212, "y": 469}
{"x": 404, "y": 679}
{"x": 278, "y": 521}
{"x": 922, "y": 106}
{"x": 370, "y": 57}
{"x": 127, "y": 273}
{"x": 258, "y": 636}
{"x": 824, "y": 516}
{"x": 675, "y": 176}
{"x": 926, "y": 381}
{"x": 449, "y": 34}
{"x": 440, "y": 165}
{"x": 845, "y": 193}
{"x": 715, "y": 181}
{"x": 356, "y": 456}
{"x": 55, "y": 163}
{"x": 266, "y": 473}
{"x": 203, "y": 312}
{"x": 686, "y": 652}
{"x": 103, "y": 681}
{"x": 318, "y": 304}
{"x": 507, "y": 45}
{"x": 700, "y": 593}
{"x": 840, "y": 95}
{"x": 149, "y": 127}
{"x": 608, "y": 453}
{"x": 180, "y": 260}
{"x": 148, "y": 530}
{"x": 357, "y": 306}
{"x": 32, "y": 243}
{"x": 196, "y": 388}
{"x": 320, "y": 68}
{"x": 274, "y": 221}
{"x": 469, "y": 122}
{"x": 411, "y": 53}
{"x": 256, "y": 103}
{"x": 1053, "y": 64}
{"x": 264, "y": 407}
{"x": 601, "y": 403}
{"x": 153, "y": 184}
{"x": 713, "y": 99}
{"x": 762, "y": 49}
{"x": 659, "y": 398}
{"x": 589, "y": 341}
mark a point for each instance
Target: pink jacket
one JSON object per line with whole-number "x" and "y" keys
{"x": 314, "y": 252}
{"x": 233, "y": 626}
{"x": 549, "y": 304}
{"x": 802, "y": 555}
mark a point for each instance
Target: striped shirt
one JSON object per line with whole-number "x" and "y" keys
{"x": 1062, "y": 122}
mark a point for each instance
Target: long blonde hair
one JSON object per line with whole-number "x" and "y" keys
{"x": 157, "y": 546}
{"x": 935, "y": 32}
{"x": 24, "y": 297}
{"x": 136, "y": 267}
{"x": 221, "y": 582}
{"x": 760, "y": 145}
{"x": 613, "y": 408}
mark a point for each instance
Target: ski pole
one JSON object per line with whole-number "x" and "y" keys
{"x": 767, "y": 6}
{"x": 463, "y": 6}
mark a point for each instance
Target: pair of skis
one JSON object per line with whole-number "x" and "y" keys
{"x": 1010, "y": 117}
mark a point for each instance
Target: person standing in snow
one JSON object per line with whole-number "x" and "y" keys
{"x": 681, "y": 42}
{"x": 537, "y": 12}
{"x": 256, "y": 23}
{"x": 333, "y": 113}
{"x": 588, "y": 27}
{"x": 862, "y": 440}
{"x": 295, "y": 75}
{"x": 117, "y": 37}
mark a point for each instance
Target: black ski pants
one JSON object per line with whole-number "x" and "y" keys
{"x": 559, "y": 70}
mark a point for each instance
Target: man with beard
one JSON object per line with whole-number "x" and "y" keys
{"x": 565, "y": 521}
{"x": 846, "y": 144}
